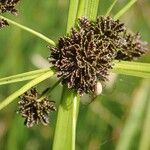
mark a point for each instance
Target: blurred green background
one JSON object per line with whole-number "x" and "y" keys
{"x": 118, "y": 118}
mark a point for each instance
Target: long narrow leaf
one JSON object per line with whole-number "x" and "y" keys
{"x": 132, "y": 73}
{"x": 23, "y": 76}
{"x": 132, "y": 68}
{"x": 26, "y": 87}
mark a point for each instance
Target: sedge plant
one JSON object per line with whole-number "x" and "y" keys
{"x": 65, "y": 130}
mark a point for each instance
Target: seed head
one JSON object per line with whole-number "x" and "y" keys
{"x": 132, "y": 47}
{"x": 3, "y": 23}
{"x": 85, "y": 57}
{"x": 105, "y": 29}
{"x": 8, "y": 6}
{"x": 35, "y": 111}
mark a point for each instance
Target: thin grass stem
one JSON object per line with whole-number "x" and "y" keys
{"x": 110, "y": 8}
{"x": 124, "y": 9}
{"x": 41, "y": 36}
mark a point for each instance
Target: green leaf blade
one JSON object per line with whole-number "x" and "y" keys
{"x": 26, "y": 87}
{"x": 23, "y": 76}
{"x": 132, "y": 68}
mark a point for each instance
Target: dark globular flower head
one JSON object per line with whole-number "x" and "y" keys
{"x": 132, "y": 47}
{"x": 3, "y": 23}
{"x": 8, "y": 6}
{"x": 84, "y": 57}
{"x": 35, "y": 111}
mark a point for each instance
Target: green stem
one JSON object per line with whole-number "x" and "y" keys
{"x": 26, "y": 87}
{"x": 92, "y": 8}
{"x": 124, "y": 9}
{"x": 82, "y": 8}
{"x": 65, "y": 132}
{"x": 72, "y": 14}
{"x": 43, "y": 37}
{"x": 75, "y": 111}
{"x": 88, "y": 8}
{"x": 23, "y": 76}
{"x": 111, "y": 7}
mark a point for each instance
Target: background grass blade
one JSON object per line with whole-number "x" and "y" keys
{"x": 110, "y": 8}
{"x": 145, "y": 138}
{"x": 124, "y": 9}
{"x": 134, "y": 122}
{"x": 43, "y": 37}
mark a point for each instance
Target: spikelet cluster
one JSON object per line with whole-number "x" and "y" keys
{"x": 35, "y": 111}
{"x": 132, "y": 47}
{"x": 85, "y": 56}
{"x": 7, "y": 6}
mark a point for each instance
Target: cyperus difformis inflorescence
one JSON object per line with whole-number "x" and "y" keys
{"x": 85, "y": 57}
{"x": 3, "y": 23}
{"x": 132, "y": 47}
{"x": 33, "y": 110}
{"x": 7, "y": 6}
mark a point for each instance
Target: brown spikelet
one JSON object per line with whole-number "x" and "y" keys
{"x": 35, "y": 111}
{"x": 8, "y": 6}
{"x": 132, "y": 47}
{"x": 3, "y": 23}
{"x": 106, "y": 29}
